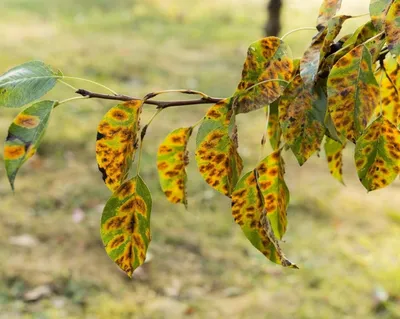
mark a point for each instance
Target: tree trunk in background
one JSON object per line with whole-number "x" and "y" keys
{"x": 273, "y": 25}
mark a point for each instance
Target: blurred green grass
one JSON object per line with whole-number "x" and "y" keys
{"x": 345, "y": 241}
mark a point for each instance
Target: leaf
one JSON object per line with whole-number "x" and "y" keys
{"x": 116, "y": 139}
{"x": 327, "y": 10}
{"x": 377, "y": 154}
{"x": 274, "y": 129}
{"x": 301, "y": 114}
{"x": 250, "y": 213}
{"x": 24, "y": 136}
{"x": 392, "y": 27}
{"x": 310, "y": 61}
{"x": 265, "y": 73}
{"x": 216, "y": 152}
{"x": 353, "y": 93}
{"x": 172, "y": 159}
{"x": 271, "y": 172}
{"x": 334, "y": 156}
{"x": 26, "y": 83}
{"x": 389, "y": 91}
{"x": 319, "y": 48}
{"x": 125, "y": 225}
{"x": 378, "y": 10}
{"x": 334, "y": 27}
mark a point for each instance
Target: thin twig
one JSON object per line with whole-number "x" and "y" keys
{"x": 159, "y": 104}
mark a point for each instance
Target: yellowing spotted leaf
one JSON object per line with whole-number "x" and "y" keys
{"x": 24, "y": 136}
{"x": 274, "y": 129}
{"x": 378, "y": 10}
{"x": 216, "y": 148}
{"x": 301, "y": 114}
{"x": 172, "y": 159}
{"x": 274, "y": 190}
{"x": 267, "y": 69}
{"x": 115, "y": 145}
{"x": 327, "y": 10}
{"x": 125, "y": 225}
{"x": 390, "y": 91}
{"x": 251, "y": 200}
{"x": 334, "y": 156}
{"x": 377, "y": 154}
{"x": 392, "y": 27}
{"x": 353, "y": 93}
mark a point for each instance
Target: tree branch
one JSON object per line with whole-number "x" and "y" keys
{"x": 160, "y": 104}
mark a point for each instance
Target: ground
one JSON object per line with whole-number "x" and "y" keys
{"x": 345, "y": 241}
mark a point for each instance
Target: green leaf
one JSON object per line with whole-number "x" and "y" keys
{"x": 353, "y": 93}
{"x": 327, "y": 11}
{"x": 172, "y": 159}
{"x": 389, "y": 91}
{"x": 274, "y": 129}
{"x": 301, "y": 114}
{"x": 392, "y": 27}
{"x": 378, "y": 10}
{"x": 377, "y": 154}
{"x": 334, "y": 156}
{"x": 24, "y": 136}
{"x": 26, "y": 83}
{"x": 125, "y": 225}
{"x": 116, "y": 140}
{"x": 250, "y": 209}
{"x": 216, "y": 152}
{"x": 265, "y": 73}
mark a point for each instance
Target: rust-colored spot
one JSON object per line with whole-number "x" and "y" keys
{"x": 115, "y": 222}
{"x": 12, "y": 152}
{"x": 116, "y": 242}
{"x": 27, "y": 121}
{"x": 119, "y": 115}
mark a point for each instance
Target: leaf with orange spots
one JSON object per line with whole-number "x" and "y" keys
{"x": 27, "y": 83}
{"x": 327, "y": 11}
{"x": 334, "y": 156}
{"x": 392, "y": 27}
{"x": 274, "y": 129}
{"x": 24, "y": 136}
{"x": 377, "y": 154}
{"x": 172, "y": 159}
{"x": 378, "y": 10}
{"x": 116, "y": 139}
{"x": 353, "y": 93}
{"x": 216, "y": 148}
{"x": 250, "y": 204}
{"x": 267, "y": 69}
{"x": 125, "y": 225}
{"x": 301, "y": 114}
{"x": 390, "y": 91}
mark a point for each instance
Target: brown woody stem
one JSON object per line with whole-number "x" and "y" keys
{"x": 160, "y": 104}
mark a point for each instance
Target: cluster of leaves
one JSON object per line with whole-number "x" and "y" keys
{"x": 341, "y": 91}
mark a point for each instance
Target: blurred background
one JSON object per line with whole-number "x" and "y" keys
{"x": 52, "y": 262}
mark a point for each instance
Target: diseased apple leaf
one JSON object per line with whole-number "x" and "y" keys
{"x": 116, "y": 139}
{"x": 266, "y": 70}
{"x": 377, "y": 154}
{"x": 353, "y": 93}
{"x": 125, "y": 225}
{"x": 24, "y": 136}
{"x": 216, "y": 152}
{"x": 172, "y": 158}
